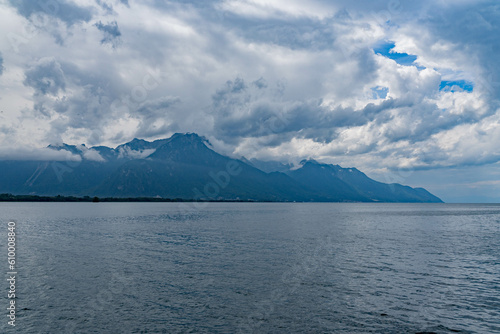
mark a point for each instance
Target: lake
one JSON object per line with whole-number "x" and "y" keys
{"x": 254, "y": 268}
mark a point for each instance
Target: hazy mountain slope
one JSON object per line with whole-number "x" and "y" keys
{"x": 185, "y": 166}
{"x": 351, "y": 184}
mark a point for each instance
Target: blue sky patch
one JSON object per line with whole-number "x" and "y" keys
{"x": 379, "y": 92}
{"x": 385, "y": 48}
{"x": 456, "y": 86}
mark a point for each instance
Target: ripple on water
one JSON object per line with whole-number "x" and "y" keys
{"x": 258, "y": 268}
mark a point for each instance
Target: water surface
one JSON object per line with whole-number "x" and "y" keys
{"x": 255, "y": 268}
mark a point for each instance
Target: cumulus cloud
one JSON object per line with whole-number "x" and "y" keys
{"x": 458, "y": 40}
{"x": 366, "y": 83}
{"x": 66, "y": 11}
{"x": 46, "y": 77}
{"x": 111, "y": 33}
{"x": 127, "y": 152}
{"x": 257, "y": 110}
{"x": 90, "y": 154}
{"x": 157, "y": 117}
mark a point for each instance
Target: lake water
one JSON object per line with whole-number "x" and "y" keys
{"x": 254, "y": 268}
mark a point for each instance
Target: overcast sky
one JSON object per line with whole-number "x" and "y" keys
{"x": 406, "y": 91}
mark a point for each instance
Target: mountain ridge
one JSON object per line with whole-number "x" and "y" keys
{"x": 185, "y": 166}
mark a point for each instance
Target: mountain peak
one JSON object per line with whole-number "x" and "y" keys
{"x": 182, "y": 146}
{"x": 310, "y": 161}
{"x": 188, "y": 137}
{"x": 184, "y": 166}
{"x": 134, "y": 145}
{"x": 136, "y": 141}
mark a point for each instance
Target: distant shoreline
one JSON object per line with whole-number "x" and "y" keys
{"x": 95, "y": 199}
{"x": 89, "y": 199}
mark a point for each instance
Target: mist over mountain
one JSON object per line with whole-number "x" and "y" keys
{"x": 185, "y": 166}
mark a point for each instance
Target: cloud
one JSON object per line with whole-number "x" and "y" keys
{"x": 157, "y": 117}
{"x": 37, "y": 154}
{"x": 93, "y": 156}
{"x": 1, "y": 64}
{"x": 66, "y": 11}
{"x": 366, "y": 83}
{"x": 111, "y": 33}
{"x": 456, "y": 86}
{"x": 277, "y": 8}
{"x": 257, "y": 110}
{"x": 127, "y": 152}
{"x": 458, "y": 41}
{"x": 387, "y": 50}
{"x": 108, "y": 8}
{"x": 46, "y": 77}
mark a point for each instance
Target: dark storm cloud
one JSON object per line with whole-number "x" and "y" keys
{"x": 155, "y": 107}
{"x": 303, "y": 74}
{"x": 89, "y": 104}
{"x": 85, "y": 110}
{"x": 46, "y": 77}
{"x": 111, "y": 33}
{"x": 66, "y": 11}
{"x": 157, "y": 117}
{"x": 90, "y": 107}
{"x": 242, "y": 110}
{"x": 420, "y": 122}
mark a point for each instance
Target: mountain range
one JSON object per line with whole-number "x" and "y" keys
{"x": 185, "y": 166}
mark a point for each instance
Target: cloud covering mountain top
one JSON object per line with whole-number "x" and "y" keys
{"x": 383, "y": 85}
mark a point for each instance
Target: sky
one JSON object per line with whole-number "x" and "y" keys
{"x": 406, "y": 91}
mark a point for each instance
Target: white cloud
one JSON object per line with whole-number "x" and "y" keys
{"x": 90, "y": 154}
{"x": 37, "y": 154}
{"x": 314, "y": 62}
{"x": 127, "y": 152}
{"x": 278, "y": 8}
